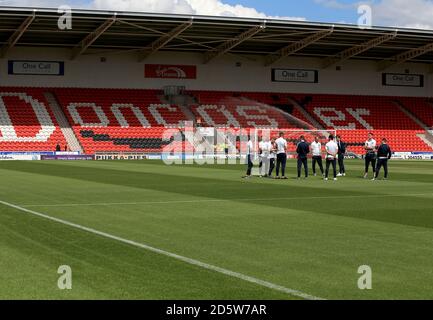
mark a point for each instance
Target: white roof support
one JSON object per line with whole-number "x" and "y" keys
{"x": 159, "y": 43}
{"x": 15, "y": 37}
{"x": 230, "y": 44}
{"x": 405, "y": 56}
{"x": 297, "y": 46}
{"x": 84, "y": 44}
{"x": 358, "y": 49}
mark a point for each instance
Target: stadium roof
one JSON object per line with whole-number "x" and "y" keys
{"x": 146, "y": 33}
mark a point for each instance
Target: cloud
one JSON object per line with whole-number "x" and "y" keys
{"x": 410, "y": 14}
{"x": 195, "y": 7}
{"x": 393, "y": 13}
{"x": 164, "y": 6}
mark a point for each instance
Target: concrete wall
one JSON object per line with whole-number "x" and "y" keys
{"x": 123, "y": 71}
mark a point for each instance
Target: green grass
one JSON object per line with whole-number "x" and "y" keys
{"x": 309, "y": 235}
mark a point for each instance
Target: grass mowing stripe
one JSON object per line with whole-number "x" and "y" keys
{"x": 224, "y": 200}
{"x": 194, "y": 262}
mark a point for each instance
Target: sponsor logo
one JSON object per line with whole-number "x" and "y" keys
{"x": 22, "y": 157}
{"x": 412, "y": 156}
{"x": 42, "y": 68}
{"x": 68, "y": 157}
{"x": 121, "y": 156}
{"x": 170, "y": 71}
{"x": 403, "y": 80}
{"x": 295, "y": 75}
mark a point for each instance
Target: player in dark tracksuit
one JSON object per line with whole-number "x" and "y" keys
{"x": 303, "y": 150}
{"x": 384, "y": 153}
{"x": 341, "y": 154}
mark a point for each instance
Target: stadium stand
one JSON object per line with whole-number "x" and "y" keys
{"x": 354, "y": 116}
{"x": 27, "y": 122}
{"x": 119, "y": 120}
{"x": 225, "y": 109}
{"x": 136, "y": 120}
{"x": 358, "y": 112}
{"x": 421, "y": 108}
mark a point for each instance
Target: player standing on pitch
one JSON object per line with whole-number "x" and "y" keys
{"x": 384, "y": 153}
{"x": 341, "y": 154}
{"x": 281, "y": 156}
{"x": 370, "y": 156}
{"x": 303, "y": 149}
{"x": 316, "y": 149}
{"x": 331, "y": 157}
{"x": 265, "y": 150}
{"x": 262, "y": 146}
{"x": 250, "y": 150}
{"x": 272, "y": 155}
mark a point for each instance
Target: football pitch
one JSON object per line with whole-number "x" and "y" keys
{"x": 145, "y": 230}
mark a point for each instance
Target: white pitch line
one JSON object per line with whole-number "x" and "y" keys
{"x": 190, "y": 261}
{"x": 222, "y": 200}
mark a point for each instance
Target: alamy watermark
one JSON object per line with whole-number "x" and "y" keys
{"x": 365, "y": 282}
{"x": 65, "y": 20}
{"x": 64, "y": 282}
{"x": 365, "y": 19}
{"x": 201, "y": 146}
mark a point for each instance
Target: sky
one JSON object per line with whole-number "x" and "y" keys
{"x": 391, "y": 13}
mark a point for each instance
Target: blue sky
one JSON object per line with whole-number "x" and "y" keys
{"x": 391, "y": 13}
{"x": 310, "y": 9}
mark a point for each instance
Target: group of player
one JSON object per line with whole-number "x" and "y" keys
{"x": 273, "y": 155}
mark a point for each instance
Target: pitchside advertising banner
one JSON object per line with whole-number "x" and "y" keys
{"x": 32, "y": 156}
{"x": 125, "y": 156}
{"x": 23, "y": 157}
{"x": 165, "y": 71}
{"x": 403, "y": 80}
{"x": 42, "y": 68}
{"x": 160, "y": 156}
{"x": 28, "y": 156}
{"x": 68, "y": 157}
{"x": 412, "y": 156}
{"x": 295, "y": 75}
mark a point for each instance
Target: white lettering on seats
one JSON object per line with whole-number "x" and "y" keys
{"x": 153, "y": 108}
{"x": 115, "y": 108}
{"x": 242, "y": 110}
{"x": 7, "y": 128}
{"x": 73, "y": 110}
{"x": 231, "y": 121}
{"x": 330, "y": 120}
{"x": 358, "y": 113}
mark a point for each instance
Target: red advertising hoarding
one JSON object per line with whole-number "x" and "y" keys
{"x": 165, "y": 71}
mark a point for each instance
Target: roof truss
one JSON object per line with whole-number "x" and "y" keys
{"x": 358, "y": 49}
{"x": 405, "y": 56}
{"x": 159, "y": 43}
{"x": 15, "y": 37}
{"x": 296, "y": 46}
{"x": 232, "y": 43}
{"x": 92, "y": 37}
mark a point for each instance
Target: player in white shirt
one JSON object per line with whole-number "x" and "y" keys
{"x": 316, "y": 150}
{"x": 370, "y": 156}
{"x": 262, "y": 146}
{"x": 265, "y": 150}
{"x": 331, "y": 157}
{"x": 249, "y": 154}
{"x": 281, "y": 156}
{"x": 272, "y": 156}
